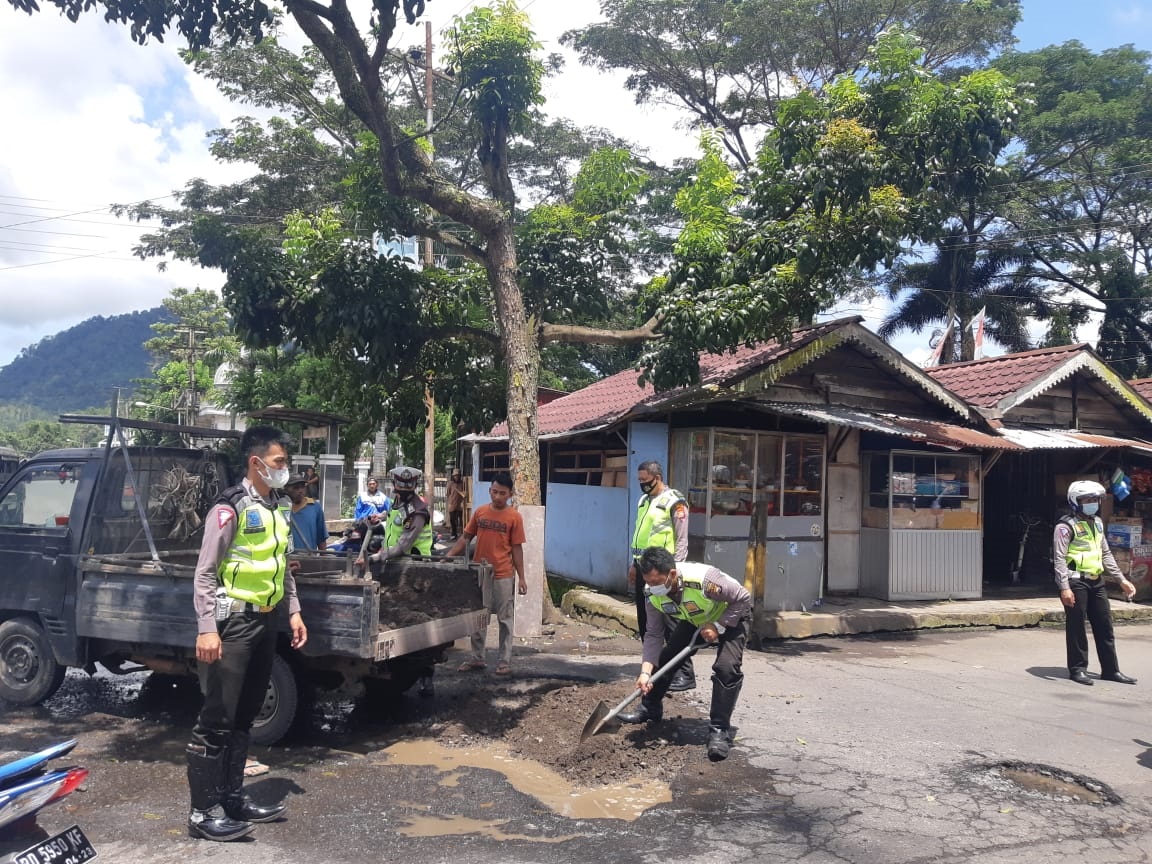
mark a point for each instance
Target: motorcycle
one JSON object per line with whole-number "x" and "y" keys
{"x": 29, "y": 784}
{"x": 353, "y": 538}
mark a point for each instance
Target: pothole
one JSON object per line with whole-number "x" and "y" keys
{"x": 1055, "y": 784}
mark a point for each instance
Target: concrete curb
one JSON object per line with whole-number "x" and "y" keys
{"x": 862, "y": 615}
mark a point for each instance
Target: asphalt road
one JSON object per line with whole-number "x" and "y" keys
{"x": 869, "y": 751}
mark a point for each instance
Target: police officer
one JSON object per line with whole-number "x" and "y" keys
{"x": 688, "y": 596}
{"x": 242, "y": 575}
{"x": 1081, "y": 559}
{"x": 661, "y": 520}
{"x": 409, "y": 529}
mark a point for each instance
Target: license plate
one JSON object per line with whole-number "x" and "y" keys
{"x": 67, "y": 847}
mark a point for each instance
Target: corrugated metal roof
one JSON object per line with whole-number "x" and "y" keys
{"x": 987, "y": 382}
{"x": 1067, "y": 439}
{"x": 929, "y": 431}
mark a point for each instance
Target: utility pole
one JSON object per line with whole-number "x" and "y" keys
{"x": 191, "y": 409}
{"x": 429, "y": 399}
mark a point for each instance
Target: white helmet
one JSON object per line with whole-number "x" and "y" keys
{"x": 1081, "y": 489}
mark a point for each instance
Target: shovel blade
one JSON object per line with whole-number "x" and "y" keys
{"x": 596, "y": 721}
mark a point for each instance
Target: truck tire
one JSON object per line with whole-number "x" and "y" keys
{"x": 29, "y": 673}
{"x": 278, "y": 712}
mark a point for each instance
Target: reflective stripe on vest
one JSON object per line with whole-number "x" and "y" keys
{"x": 654, "y": 522}
{"x": 395, "y": 529}
{"x": 694, "y": 605}
{"x": 1086, "y": 548}
{"x": 253, "y": 569}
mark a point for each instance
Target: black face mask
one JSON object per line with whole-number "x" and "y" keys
{"x": 647, "y": 488}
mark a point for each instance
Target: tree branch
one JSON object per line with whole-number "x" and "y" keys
{"x": 575, "y": 333}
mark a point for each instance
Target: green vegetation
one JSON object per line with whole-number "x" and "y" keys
{"x": 79, "y": 368}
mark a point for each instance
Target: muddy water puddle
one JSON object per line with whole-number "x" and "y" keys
{"x": 624, "y": 800}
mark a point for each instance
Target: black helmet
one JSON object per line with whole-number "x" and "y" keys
{"x": 405, "y": 479}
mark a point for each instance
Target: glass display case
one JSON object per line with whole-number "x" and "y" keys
{"x": 725, "y": 472}
{"x": 916, "y": 490}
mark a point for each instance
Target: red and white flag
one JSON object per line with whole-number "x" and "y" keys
{"x": 977, "y": 326}
{"x": 946, "y": 339}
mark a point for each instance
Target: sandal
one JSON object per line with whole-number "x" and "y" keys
{"x": 253, "y": 768}
{"x": 503, "y": 669}
{"x": 471, "y": 666}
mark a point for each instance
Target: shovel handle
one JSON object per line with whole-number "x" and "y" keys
{"x": 675, "y": 661}
{"x": 659, "y": 673}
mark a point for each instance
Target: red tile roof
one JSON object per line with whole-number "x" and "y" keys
{"x": 986, "y": 382}
{"x": 611, "y": 398}
{"x": 1143, "y": 386}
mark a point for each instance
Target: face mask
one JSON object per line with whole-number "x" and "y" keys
{"x": 658, "y": 590}
{"x": 275, "y": 478}
{"x": 1090, "y": 508}
{"x": 647, "y": 488}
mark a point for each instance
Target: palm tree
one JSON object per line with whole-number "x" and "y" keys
{"x": 962, "y": 278}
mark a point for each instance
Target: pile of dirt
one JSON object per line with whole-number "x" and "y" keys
{"x": 413, "y": 592}
{"x": 544, "y": 724}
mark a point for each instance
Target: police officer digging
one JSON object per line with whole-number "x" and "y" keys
{"x": 661, "y": 520}
{"x": 689, "y": 595}
{"x": 1083, "y": 562}
{"x": 242, "y": 575}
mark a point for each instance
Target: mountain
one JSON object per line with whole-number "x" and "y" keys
{"x": 78, "y": 368}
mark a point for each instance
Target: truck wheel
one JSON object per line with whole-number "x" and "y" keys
{"x": 278, "y": 712}
{"x": 29, "y": 673}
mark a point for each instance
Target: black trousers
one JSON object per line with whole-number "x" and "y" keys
{"x": 456, "y": 521}
{"x": 235, "y": 685}
{"x": 1091, "y": 603}
{"x": 728, "y": 668}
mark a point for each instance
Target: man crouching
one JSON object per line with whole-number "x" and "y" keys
{"x": 693, "y": 595}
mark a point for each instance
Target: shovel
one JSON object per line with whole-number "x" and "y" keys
{"x": 603, "y": 713}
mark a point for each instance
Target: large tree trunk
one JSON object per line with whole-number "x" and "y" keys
{"x": 520, "y": 348}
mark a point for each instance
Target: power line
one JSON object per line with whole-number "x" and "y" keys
{"x": 61, "y": 261}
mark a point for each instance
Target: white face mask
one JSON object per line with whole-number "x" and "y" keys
{"x": 1091, "y": 508}
{"x": 275, "y": 477}
{"x": 658, "y": 590}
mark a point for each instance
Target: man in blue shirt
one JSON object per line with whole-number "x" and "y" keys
{"x": 371, "y": 504}
{"x": 309, "y": 530}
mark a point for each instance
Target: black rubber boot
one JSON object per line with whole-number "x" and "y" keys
{"x": 684, "y": 678}
{"x": 207, "y": 819}
{"x": 719, "y": 743}
{"x": 650, "y": 711}
{"x": 236, "y": 804}
{"x": 720, "y": 718}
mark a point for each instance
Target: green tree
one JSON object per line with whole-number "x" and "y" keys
{"x": 1079, "y": 197}
{"x": 732, "y": 63}
{"x": 845, "y": 179}
{"x": 467, "y": 207}
{"x": 954, "y": 286}
{"x": 187, "y": 347}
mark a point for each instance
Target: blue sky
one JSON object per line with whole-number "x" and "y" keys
{"x": 99, "y": 120}
{"x": 1099, "y": 24}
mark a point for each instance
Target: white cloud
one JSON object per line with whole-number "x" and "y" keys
{"x": 100, "y": 120}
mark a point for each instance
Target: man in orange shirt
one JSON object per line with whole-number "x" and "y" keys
{"x": 499, "y": 533}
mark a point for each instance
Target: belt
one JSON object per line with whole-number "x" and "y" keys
{"x": 251, "y": 607}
